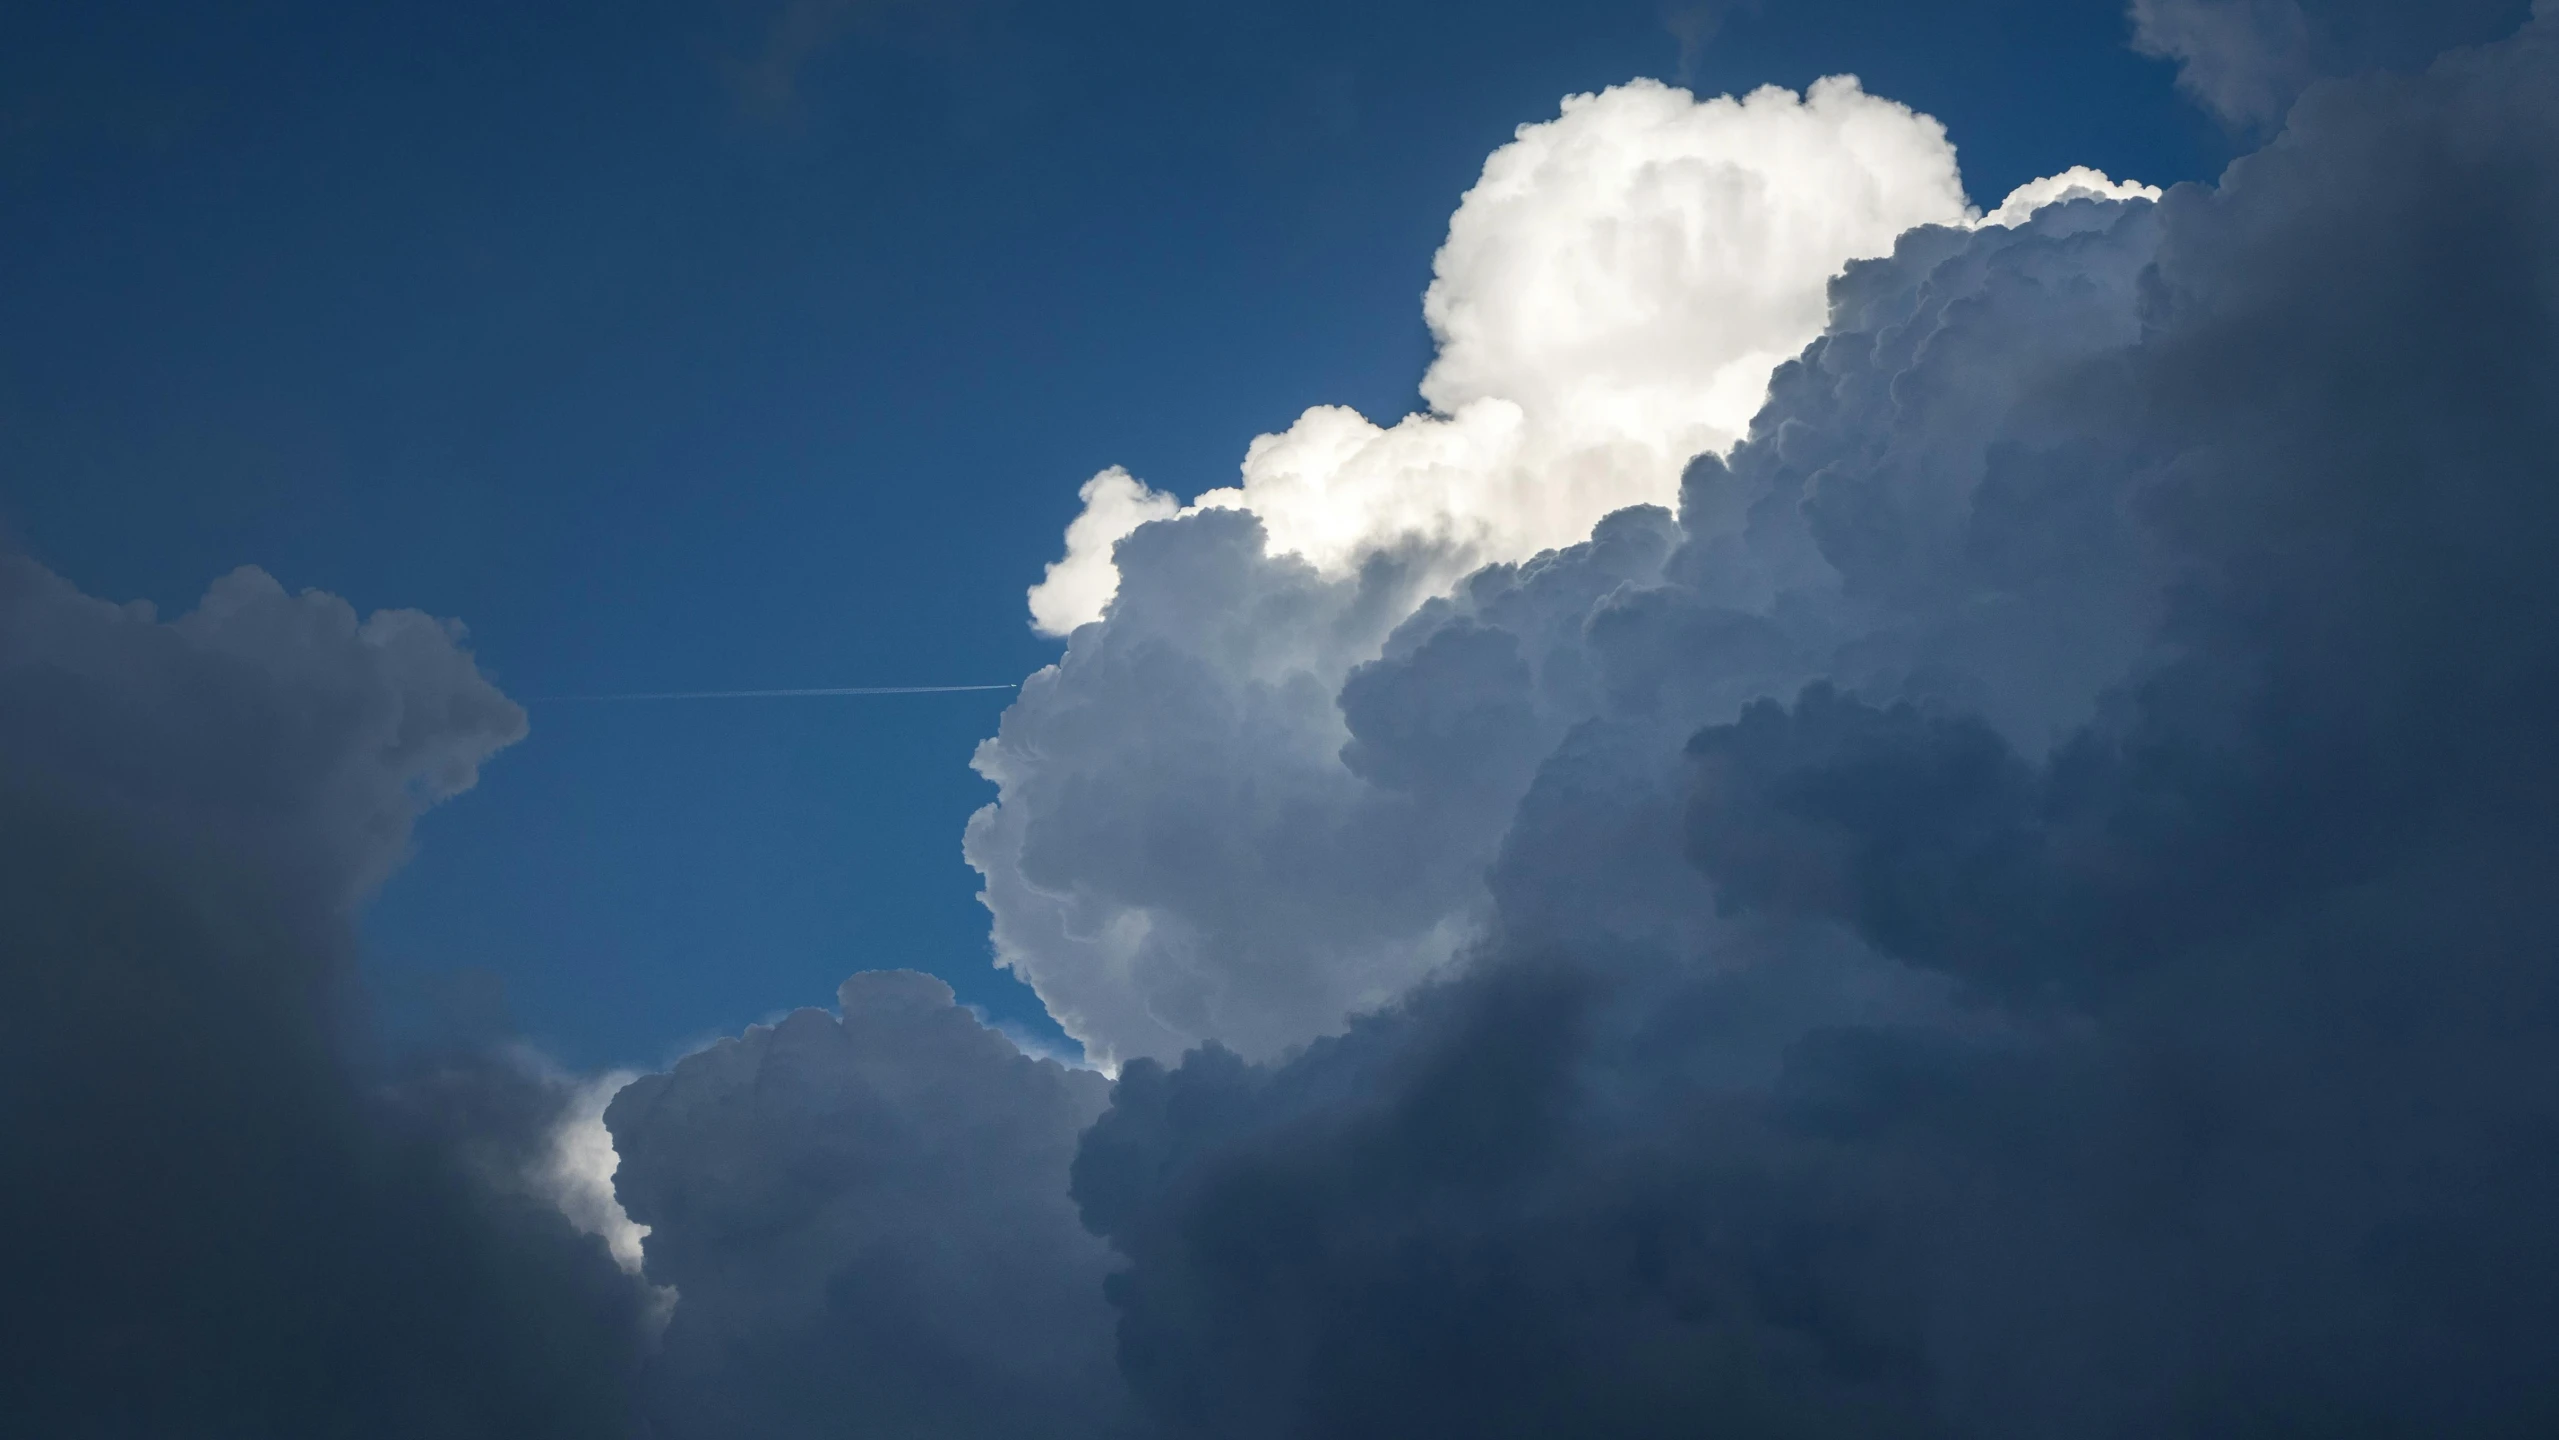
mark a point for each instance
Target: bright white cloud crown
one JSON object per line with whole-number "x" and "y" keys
{"x": 1612, "y": 297}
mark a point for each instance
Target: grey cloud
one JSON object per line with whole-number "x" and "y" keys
{"x": 2246, "y": 61}
{"x": 2242, "y": 60}
{"x": 1180, "y": 851}
{"x": 222, "y": 1220}
{"x": 2036, "y": 920}
{"x": 867, "y": 1224}
{"x": 285, "y": 729}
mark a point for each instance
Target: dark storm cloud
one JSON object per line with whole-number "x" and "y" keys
{"x": 866, "y": 1219}
{"x": 2038, "y": 922}
{"x": 217, "y": 1222}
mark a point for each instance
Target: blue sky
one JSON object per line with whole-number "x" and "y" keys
{"x": 748, "y": 345}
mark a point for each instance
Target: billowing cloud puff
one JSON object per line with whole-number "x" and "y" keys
{"x": 1078, "y": 586}
{"x": 2079, "y": 182}
{"x": 1246, "y": 804}
{"x": 2112, "y": 998}
{"x": 866, "y": 1220}
{"x": 1612, "y": 295}
{"x": 301, "y": 737}
{"x": 1180, "y": 851}
{"x": 221, "y": 1223}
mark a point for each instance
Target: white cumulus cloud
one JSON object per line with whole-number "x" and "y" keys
{"x": 1080, "y": 584}
{"x": 1612, "y": 296}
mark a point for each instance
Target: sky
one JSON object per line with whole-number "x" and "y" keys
{"x": 730, "y": 345}
{"x": 828, "y": 720}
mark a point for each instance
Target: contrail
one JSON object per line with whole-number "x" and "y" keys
{"x": 773, "y": 694}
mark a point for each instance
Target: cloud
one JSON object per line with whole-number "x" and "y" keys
{"x": 1258, "y": 795}
{"x": 1078, "y": 585}
{"x": 1613, "y": 293}
{"x": 867, "y": 1222}
{"x": 1180, "y": 850}
{"x": 226, "y": 1222}
{"x": 1694, "y": 26}
{"x": 2079, "y": 182}
{"x": 576, "y": 1169}
{"x": 2036, "y": 921}
{"x": 2246, "y": 61}
{"x": 2242, "y": 60}
{"x": 296, "y": 734}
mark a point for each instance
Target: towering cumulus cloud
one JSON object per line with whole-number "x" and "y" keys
{"x": 1214, "y": 823}
{"x": 218, "y": 1222}
{"x": 2028, "y": 912}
